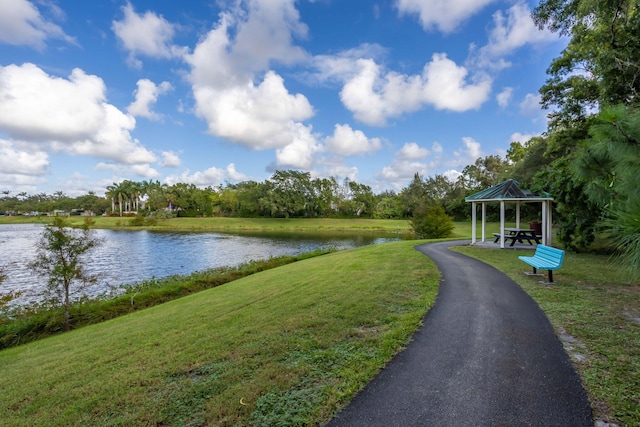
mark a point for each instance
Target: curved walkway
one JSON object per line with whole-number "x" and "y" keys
{"x": 486, "y": 356}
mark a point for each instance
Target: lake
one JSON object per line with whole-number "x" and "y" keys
{"x": 127, "y": 257}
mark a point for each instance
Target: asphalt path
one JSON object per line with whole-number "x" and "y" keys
{"x": 486, "y": 355}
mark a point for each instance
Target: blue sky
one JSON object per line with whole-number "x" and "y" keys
{"x": 210, "y": 92}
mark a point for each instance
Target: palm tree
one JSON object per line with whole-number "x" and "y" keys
{"x": 115, "y": 191}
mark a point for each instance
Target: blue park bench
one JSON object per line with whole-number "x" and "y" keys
{"x": 545, "y": 258}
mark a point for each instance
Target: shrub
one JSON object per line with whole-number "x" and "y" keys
{"x": 162, "y": 214}
{"x": 137, "y": 221}
{"x": 431, "y": 223}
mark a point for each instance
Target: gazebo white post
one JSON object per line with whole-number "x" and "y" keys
{"x": 549, "y": 222}
{"x": 473, "y": 223}
{"x": 501, "y": 224}
{"x": 518, "y": 214}
{"x": 545, "y": 230}
{"x": 484, "y": 220}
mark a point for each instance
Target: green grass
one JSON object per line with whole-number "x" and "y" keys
{"x": 291, "y": 345}
{"x": 240, "y": 224}
{"x": 268, "y": 225}
{"x": 593, "y": 303}
{"x": 33, "y": 323}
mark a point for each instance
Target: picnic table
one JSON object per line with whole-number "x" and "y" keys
{"x": 518, "y": 235}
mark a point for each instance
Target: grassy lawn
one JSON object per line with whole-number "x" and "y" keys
{"x": 598, "y": 310}
{"x": 287, "y": 346}
{"x": 241, "y": 224}
{"x": 317, "y": 225}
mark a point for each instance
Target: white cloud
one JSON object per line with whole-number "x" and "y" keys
{"x": 407, "y": 161}
{"x": 521, "y": 137}
{"x": 235, "y": 92}
{"x": 504, "y": 97}
{"x": 348, "y": 142}
{"x": 510, "y": 33}
{"x": 340, "y": 67}
{"x": 17, "y": 182}
{"x": 146, "y": 96}
{"x": 16, "y": 161}
{"x": 67, "y": 115}
{"x": 22, "y": 24}
{"x": 437, "y": 148}
{"x": 452, "y": 175}
{"x": 209, "y": 177}
{"x": 530, "y": 105}
{"x": 245, "y": 42}
{"x": 78, "y": 185}
{"x": 265, "y": 33}
{"x": 147, "y": 34}
{"x": 336, "y": 168}
{"x": 299, "y": 153}
{"x": 145, "y": 171}
{"x": 447, "y": 86}
{"x": 374, "y": 95}
{"x": 468, "y": 154}
{"x": 234, "y": 175}
{"x": 443, "y": 15}
{"x": 412, "y": 151}
{"x": 516, "y": 30}
{"x": 259, "y": 117}
{"x": 170, "y": 159}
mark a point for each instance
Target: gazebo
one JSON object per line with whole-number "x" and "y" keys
{"x": 509, "y": 192}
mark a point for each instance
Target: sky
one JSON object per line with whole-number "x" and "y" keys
{"x": 223, "y": 91}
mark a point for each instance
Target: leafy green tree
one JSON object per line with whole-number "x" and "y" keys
{"x": 249, "y": 197}
{"x": 152, "y": 191}
{"x": 289, "y": 193}
{"x": 359, "y": 200}
{"x": 60, "y": 257}
{"x": 527, "y": 159}
{"x": 92, "y": 203}
{"x": 600, "y": 65}
{"x": 326, "y": 195}
{"x": 609, "y": 164}
{"x": 414, "y": 196}
{"x": 485, "y": 172}
{"x": 5, "y": 299}
{"x": 431, "y": 222}
{"x": 388, "y": 206}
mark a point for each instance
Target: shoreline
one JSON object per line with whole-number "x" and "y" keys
{"x": 227, "y": 224}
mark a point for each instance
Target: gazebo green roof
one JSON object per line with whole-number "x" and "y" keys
{"x": 507, "y": 190}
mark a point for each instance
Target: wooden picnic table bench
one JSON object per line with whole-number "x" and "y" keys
{"x": 518, "y": 235}
{"x": 545, "y": 258}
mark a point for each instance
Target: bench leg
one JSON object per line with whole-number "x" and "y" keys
{"x": 550, "y": 276}
{"x": 535, "y": 271}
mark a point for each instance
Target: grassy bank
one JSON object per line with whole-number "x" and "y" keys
{"x": 287, "y": 346}
{"x": 597, "y": 312}
{"x": 462, "y": 230}
{"x": 33, "y": 323}
{"x": 238, "y": 224}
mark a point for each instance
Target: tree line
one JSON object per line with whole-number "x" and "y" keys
{"x": 589, "y": 157}
{"x": 286, "y": 194}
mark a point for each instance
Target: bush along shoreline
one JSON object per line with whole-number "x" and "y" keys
{"x": 21, "y": 325}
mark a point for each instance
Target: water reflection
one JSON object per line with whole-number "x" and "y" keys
{"x": 131, "y": 256}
